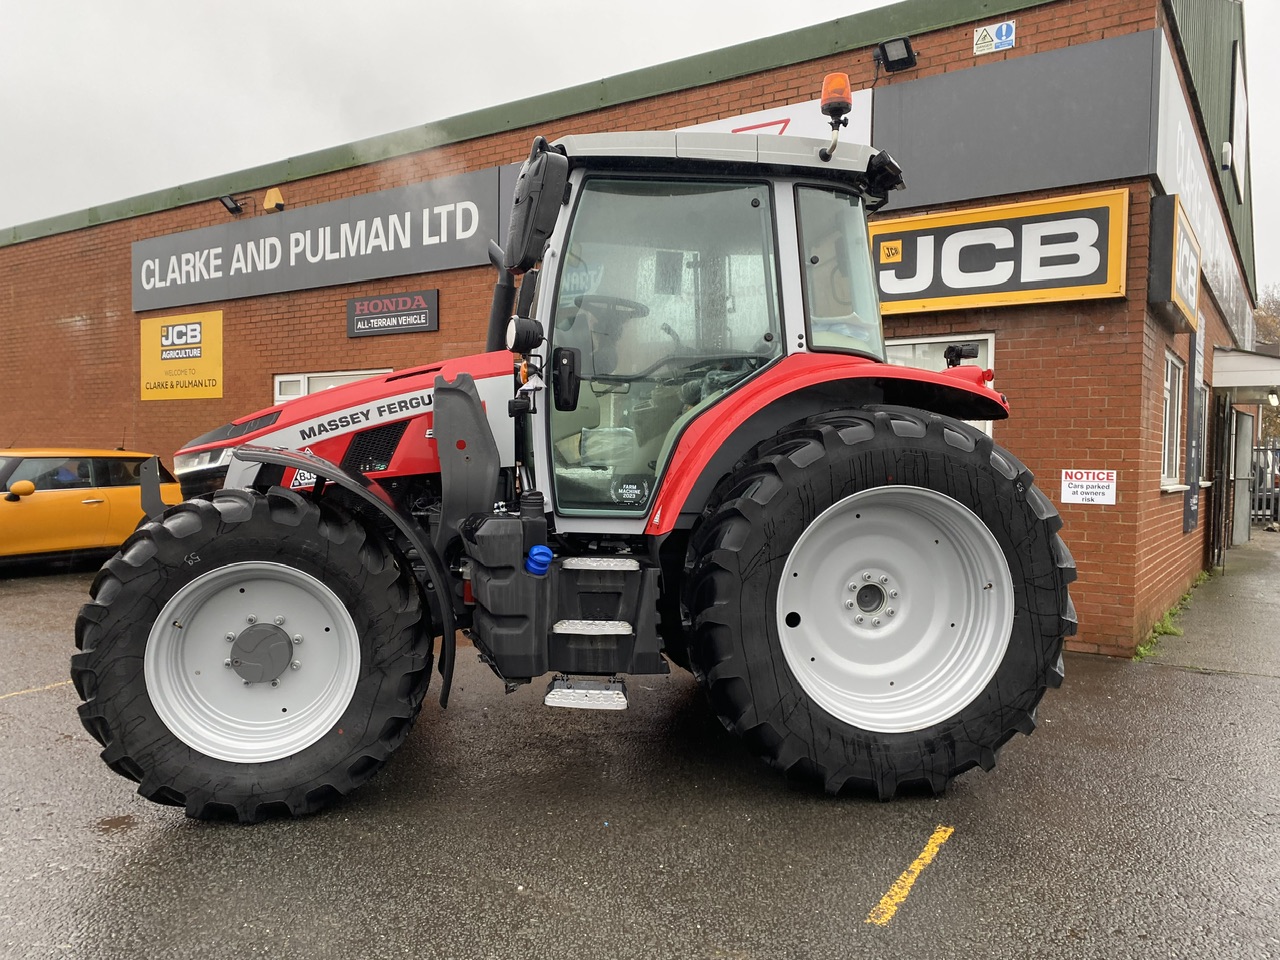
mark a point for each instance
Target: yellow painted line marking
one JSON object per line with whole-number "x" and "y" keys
{"x": 892, "y": 900}
{"x": 19, "y": 693}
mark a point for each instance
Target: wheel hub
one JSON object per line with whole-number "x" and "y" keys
{"x": 895, "y": 608}
{"x": 261, "y": 653}
{"x": 222, "y": 692}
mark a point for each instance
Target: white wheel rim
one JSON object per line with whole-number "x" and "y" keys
{"x": 895, "y": 608}
{"x": 208, "y": 705}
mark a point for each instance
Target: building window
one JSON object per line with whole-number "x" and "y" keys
{"x": 1172, "y": 420}
{"x": 289, "y": 386}
{"x": 928, "y": 354}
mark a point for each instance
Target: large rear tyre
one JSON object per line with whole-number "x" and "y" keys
{"x": 251, "y": 655}
{"x": 880, "y": 600}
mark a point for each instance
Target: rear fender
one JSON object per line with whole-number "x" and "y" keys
{"x": 800, "y": 386}
{"x": 248, "y": 461}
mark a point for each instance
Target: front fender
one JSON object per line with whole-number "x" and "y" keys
{"x": 247, "y": 461}
{"x": 798, "y": 386}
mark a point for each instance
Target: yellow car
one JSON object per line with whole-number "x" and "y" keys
{"x": 60, "y": 502}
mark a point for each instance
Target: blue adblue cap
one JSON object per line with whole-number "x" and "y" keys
{"x": 539, "y": 560}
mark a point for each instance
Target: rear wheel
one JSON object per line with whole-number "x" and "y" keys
{"x": 251, "y": 654}
{"x": 880, "y": 600}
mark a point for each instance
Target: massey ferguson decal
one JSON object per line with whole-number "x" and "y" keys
{"x": 392, "y": 408}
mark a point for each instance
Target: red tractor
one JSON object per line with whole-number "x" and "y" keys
{"x": 683, "y": 445}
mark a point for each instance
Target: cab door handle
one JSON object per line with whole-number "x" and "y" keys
{"x": 99, "y": 500}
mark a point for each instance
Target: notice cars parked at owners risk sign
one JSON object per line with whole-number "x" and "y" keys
{"x": 65, "y": 502}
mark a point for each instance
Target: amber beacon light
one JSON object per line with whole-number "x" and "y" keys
{"x": 837, "y": 100}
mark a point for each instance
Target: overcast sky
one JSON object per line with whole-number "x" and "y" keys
{"x": 100, "y": 101}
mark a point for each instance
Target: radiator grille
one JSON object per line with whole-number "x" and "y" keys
{"x": 372, "y": 450}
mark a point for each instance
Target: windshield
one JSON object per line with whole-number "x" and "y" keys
{"x": 842, "y": 308}
{"x": 669, "y": 292}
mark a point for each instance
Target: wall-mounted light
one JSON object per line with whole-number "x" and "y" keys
{"x": 895, "y": 54}
{"x": 1273, "y": 398}
{"x": 233, "y": 204}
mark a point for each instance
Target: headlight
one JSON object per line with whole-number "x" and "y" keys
{"x": 188, "y": 462}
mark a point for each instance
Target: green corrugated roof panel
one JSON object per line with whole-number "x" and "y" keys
{"x": 808, "y": 43}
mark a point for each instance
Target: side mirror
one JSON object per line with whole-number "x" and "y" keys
{"x": 538, "y": 197}
{"x": 19, "y": 489}
{"x": 956, "y": 352}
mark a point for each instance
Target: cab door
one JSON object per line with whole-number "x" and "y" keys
{"x": 668, "y": 298}
{"x": 66, "y": 512}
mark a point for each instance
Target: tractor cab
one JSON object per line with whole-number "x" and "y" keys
{"x": 670, "y": 283}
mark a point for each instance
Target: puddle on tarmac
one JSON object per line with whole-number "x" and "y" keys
{"x": 116, "y": 824}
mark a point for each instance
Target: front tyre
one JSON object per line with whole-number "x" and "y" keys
{"x": 880, "y": 600}
{"x": 251, "y": 654}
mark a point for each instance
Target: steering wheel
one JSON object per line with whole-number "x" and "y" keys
{"x": 610, "y": 312}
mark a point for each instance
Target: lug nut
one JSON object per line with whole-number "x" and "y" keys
{"x": 867, "y": 577}
{"x": 876, "y": 622}
{"x": 849, "y": 604}
{"x": 891, "y": 611}
{"x": 275, "y": 683}
{"x": 296, "y": 664}
{"x": 884, "y": 579}
{"x": 230, "y": 638}
{"x": 251, "y": 618}
{"x": 859, "y": 618}
{"x": 279, "y": 621}
{"x": 894, "y": 594}
{"x": 297, "y": 638}
{"x": 227, "y": 664}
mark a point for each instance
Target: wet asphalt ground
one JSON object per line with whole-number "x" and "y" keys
{"x": 1142, "y": 819}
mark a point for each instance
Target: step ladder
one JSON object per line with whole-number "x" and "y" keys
{"x": 587, "y": 693}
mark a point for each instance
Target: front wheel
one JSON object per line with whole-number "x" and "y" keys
{"x": 880, "y": 600}
{"x": 251, "y": 654}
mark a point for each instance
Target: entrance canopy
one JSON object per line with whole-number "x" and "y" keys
{"x": 1249, "y": 376}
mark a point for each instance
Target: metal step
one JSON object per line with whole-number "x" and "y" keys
{"x": 586, "y": 693}
{"x": 593, "y": 628}
{"x": 599, "y": 563}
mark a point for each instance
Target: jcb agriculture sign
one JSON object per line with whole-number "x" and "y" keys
{"x": 1043, "y": 250}
{"x": 182, "y": 356}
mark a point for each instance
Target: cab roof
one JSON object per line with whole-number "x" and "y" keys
{"x": 722, "y": 147}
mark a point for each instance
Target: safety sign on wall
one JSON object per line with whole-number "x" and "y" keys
{"x": 182, "y": 356}
{"x": 1088, "y": 486}
{"x": 994, "y": 37}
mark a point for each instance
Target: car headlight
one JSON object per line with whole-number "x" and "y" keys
{"x": 190, "y": 462}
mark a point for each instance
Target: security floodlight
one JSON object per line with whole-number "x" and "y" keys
{"x": 896, "y": 54}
